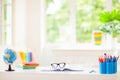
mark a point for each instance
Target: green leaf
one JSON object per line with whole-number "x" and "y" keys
{"x": 109, "y": 16}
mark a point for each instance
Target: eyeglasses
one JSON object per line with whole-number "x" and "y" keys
{"x": 58, "y": 66}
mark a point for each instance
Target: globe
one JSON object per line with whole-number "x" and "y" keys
{"x": 9, "y": 57}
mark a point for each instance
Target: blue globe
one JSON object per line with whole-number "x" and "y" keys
{"x": 9, "y": 56}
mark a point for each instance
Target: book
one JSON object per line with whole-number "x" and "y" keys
{"x": 30, "y": 64}
{"x": 26, "y": 67}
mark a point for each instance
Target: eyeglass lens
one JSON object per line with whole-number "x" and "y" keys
{"x": 58, "y": 65}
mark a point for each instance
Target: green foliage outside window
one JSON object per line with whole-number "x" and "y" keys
{"x": 59, "y": 19}
{"x": 5, "y": 19}
{"x": 116, "y": 5}
{"x": 87, "y": 18}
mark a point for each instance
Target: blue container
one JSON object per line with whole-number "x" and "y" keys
{"x": 114, "y": 67}
{"x": 109, "y": 67}
{"x": 102, "y": 67}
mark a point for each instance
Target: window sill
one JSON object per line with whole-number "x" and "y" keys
{"x": 84, "y": 47}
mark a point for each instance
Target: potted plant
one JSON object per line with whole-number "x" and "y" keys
{"x": 110, "y": 23}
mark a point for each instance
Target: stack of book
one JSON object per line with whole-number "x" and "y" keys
{"x": 27, "y": 61}
{"x": 29, "y": 65}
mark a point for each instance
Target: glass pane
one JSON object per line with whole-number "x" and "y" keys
{"x": 7, "y": 21}
{"x": 116, "y": 5}
{"x": 87, "y": 16}
{"x": 57, "y": 20}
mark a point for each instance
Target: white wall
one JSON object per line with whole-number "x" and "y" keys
{"x": 33, "y": 26}
{"x": 26, "y": 26}
{"x": 74, "y": 56}
{"x": 19, "y": 23}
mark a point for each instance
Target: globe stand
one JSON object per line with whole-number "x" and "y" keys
{"x": 10, "y": 68}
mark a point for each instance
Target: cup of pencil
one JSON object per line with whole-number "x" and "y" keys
{"x": 108, "y": 64}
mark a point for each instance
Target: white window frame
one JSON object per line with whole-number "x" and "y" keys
{"x": 73, "y": 44}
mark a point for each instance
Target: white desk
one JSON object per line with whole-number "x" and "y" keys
{"x": 40, "y": 75}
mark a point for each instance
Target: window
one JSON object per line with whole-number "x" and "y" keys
{"x": 73, "y": 21}
{"x": 58, "y": 12}
{"x": 6, "y": 22}
{"x": 87, "y": 18}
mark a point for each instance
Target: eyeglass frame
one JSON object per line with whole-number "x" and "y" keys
{"x": 58, "y": 66}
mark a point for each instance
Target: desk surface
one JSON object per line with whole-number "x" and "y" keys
{"x": 37, "y": 74}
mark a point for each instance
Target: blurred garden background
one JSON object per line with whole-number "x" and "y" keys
{"x": 85, "y": 15}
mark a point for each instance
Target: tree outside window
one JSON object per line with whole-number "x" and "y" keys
{"x": 87, "y": 19}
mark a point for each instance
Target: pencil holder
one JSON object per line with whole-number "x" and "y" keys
{"x": 109, "y": 67}
{"x": 102, "y": 67}
{"x": 114, "y": 67}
